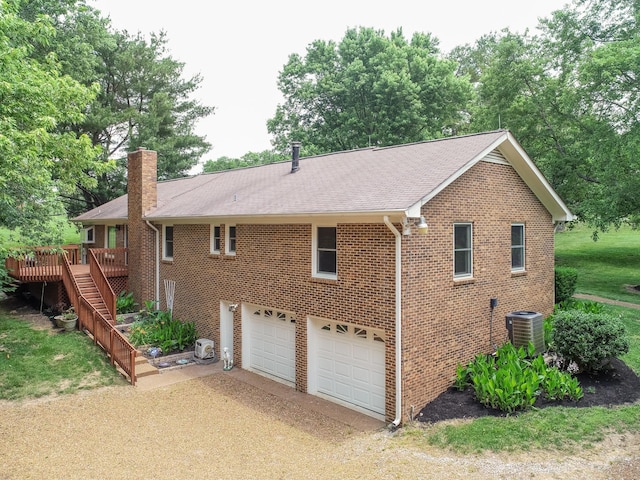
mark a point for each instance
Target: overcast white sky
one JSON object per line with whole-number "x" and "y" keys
{"x": 240, "y": 46}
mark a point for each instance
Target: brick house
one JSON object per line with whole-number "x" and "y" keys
{"x": 318, "y": 272}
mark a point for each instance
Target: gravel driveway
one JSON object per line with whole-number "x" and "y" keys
{"x": 219, "y": 426}
{"x": 236, "y": 425}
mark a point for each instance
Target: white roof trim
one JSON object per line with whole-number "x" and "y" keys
{"x": 523, "y": 165}
{"x": 535, "y": 180}
{"x": 418, "y": 205}
{"x": 299, "y": 218}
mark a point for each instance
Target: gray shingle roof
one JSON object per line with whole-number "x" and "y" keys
{"x": 371, "y": 180}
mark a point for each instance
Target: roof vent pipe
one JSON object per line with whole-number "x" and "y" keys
{"x": 295, "y": 156}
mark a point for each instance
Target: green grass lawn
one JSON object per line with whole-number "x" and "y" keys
{"x": 9, "y": 238}
{"x": 604, "y": 267}
{"x": 35, "y": 363}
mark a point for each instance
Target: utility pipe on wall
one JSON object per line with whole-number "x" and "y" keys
{"x": 396, "y": 233}
{"x": 157, "y": 275}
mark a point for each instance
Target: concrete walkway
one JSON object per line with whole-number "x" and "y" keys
{"x": 358, "y": 421}
{"x": 618, "y": 303}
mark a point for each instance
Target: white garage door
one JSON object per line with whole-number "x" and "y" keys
{"x": 272, "y": 342}
{"x": 350, "y": 364}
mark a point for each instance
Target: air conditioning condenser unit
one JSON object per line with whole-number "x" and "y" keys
{"x": 525, "y": 327}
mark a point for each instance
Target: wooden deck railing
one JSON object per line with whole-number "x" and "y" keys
{"x": 114, "y": 261}
{"x": 120, "y": 351}
{"x": 100, "y": 279}
{"x": 42, "y": 264}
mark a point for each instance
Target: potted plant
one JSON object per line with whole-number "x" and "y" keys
{"x": 69, "y": 319}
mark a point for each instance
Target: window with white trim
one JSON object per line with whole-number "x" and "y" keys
{"x": 167, "y": 243}
{"x": 230, "y": 240}
{"x": 517, "y": 247}
{"x": 325, "y": 252}
{"x": 216, "y": 238}
{"x": 90, "y": 234}
{"x": 462, "y": 250}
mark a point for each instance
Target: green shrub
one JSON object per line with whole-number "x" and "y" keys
{"x": 569, "y": 304}
{"x": 512, "y": 379}
{"x": 157, "y": 328}
{"x": 582, "y": 305}
{"x": 125, "y": 303}
{"x": 588, "y": 339}
{"x": 566, "y": 279}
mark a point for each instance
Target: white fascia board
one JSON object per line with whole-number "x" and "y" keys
{"x": 302, "y": 218}
{"x": 416, "y": 207}
{"x": 535, "y": 180}
{"x": 526, "y": 169}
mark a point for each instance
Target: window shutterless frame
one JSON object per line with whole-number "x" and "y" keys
{"x": 517, "y": 247}
{"x": 90, "y": 235}
{"x": 325, "y": 252}
{"x": 216, "y": 239}
{"x": 462, "y": 250}
{"x": 230, "y": 240}
{"x": 167, "y": 242}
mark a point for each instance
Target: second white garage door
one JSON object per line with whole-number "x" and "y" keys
{"x": 347, "y": 363}
{"x": 270, "y": 342}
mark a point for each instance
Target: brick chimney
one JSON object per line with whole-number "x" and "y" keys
{"x": 142, "y": 191}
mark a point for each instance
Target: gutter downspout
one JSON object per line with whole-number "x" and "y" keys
{"x": 395, "y": 232}
{"x": 157, "y": 279}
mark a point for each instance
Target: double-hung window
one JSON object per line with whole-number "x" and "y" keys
{"x": 462, "y": 250}
{"x": 325, "y": 257}
{"x": 216, "y": 239}
{"x": 167, "y": 245}
{"x": 517, "y": 247}
{"x": 230, "y": 240}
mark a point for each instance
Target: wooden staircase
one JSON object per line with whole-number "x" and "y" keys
{"x": 88, "y": 289}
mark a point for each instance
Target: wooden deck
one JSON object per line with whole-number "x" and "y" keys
{"x": 89, "y": 292}
{"x": 43, "y": 264}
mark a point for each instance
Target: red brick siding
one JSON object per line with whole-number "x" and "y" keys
{"x": 447, "y": 322}
{"x": 444, "y": 322}
{"x": 142, "y": 196}
{"x": 272, "y": 267}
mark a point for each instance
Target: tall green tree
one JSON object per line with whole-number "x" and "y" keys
{"x": 570, "y": 94}
{"x": 41, "y": 155}
{"x": 368, "y": 89}
{"x": 143, "y": 98}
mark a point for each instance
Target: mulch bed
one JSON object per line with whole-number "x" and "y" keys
{"x": 618, "y": 386}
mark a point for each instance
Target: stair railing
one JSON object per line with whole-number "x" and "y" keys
{"x": 70, "y": 284}
{"x": 104, "y": 287}
{"x": 107, "y": 337}
{"x": 118, "y": 348}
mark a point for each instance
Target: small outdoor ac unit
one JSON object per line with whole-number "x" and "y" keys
{"x": 204, "y": 349}
{"x": 525, "y": 327}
